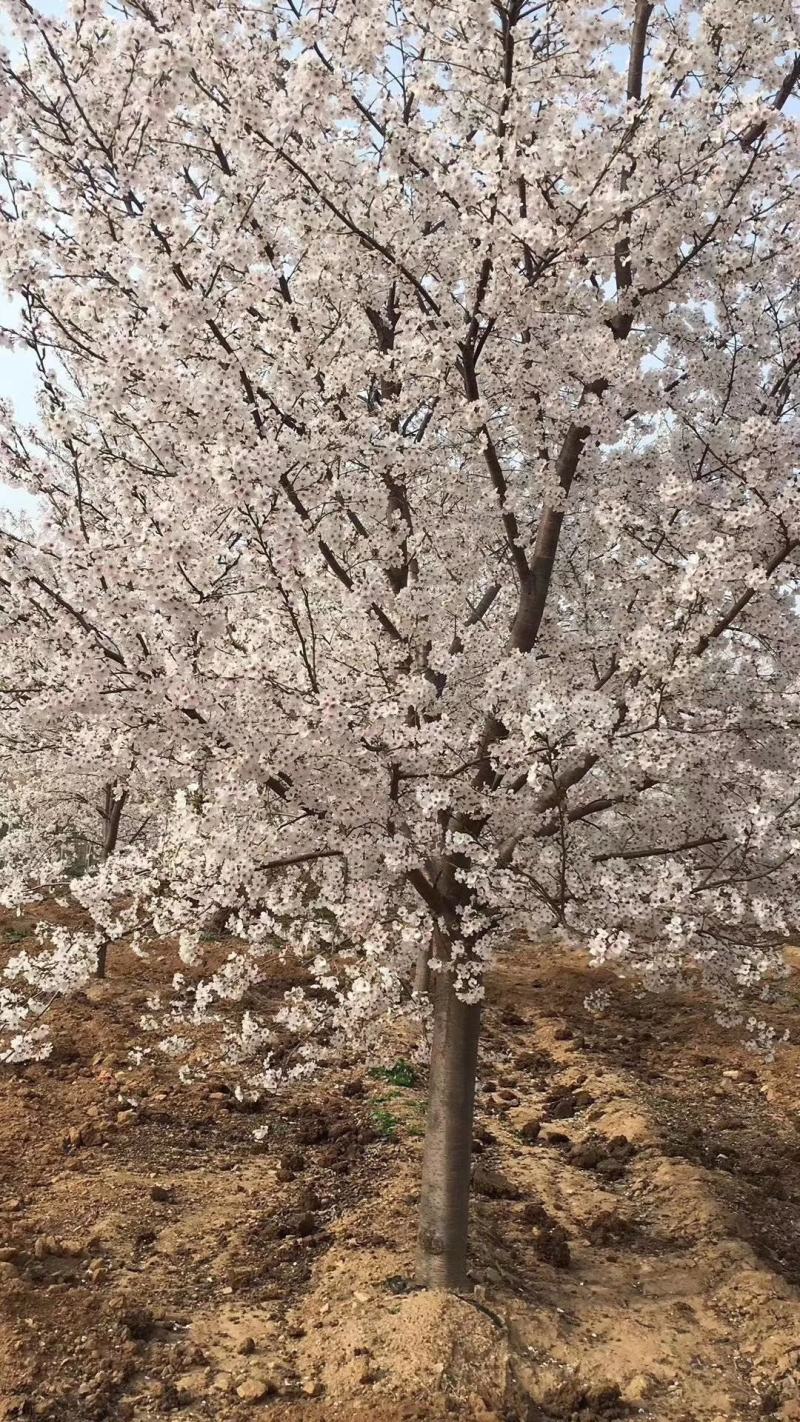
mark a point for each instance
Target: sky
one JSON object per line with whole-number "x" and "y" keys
{"x": 17, "y": 384}
{"x": 17, "y": 373}
{"x": 17, "y": 368}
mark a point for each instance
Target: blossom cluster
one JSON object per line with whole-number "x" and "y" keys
{"x": 417, "y": 467}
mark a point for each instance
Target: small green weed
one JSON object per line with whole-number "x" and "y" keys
{"x": 16, "y": 935}
{"x": 385, "y": 1123}
{"x": 401, "y": 1074}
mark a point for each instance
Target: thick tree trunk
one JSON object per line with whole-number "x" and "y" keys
{"x": 444, "y": 1200}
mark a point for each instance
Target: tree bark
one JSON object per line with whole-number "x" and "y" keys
{"x": 444, "y": 1200}
{"x": 102, "y": 956}
{"x": 422, "y": 972}
{"x": 112, "y": 814}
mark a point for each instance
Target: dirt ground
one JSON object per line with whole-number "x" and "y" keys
{"x": 635, "y": 1234}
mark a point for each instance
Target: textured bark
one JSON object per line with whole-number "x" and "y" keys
{"x": 422, "y": 972}
{"x": 444, "y": 1200}
{"x": 102, "y": 957}
{"x": 112, "y": 814}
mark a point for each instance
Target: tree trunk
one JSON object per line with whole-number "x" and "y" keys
{"x": 112, "y": 814}
{"x": 102, "y": 955}
{"x": 422, "y": 972}
{"x": 444, "y": 1200}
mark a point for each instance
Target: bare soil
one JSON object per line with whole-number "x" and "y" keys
{"x": 636, "y": 1223}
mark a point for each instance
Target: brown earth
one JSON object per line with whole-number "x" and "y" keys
{"x": 635, "y": 1256}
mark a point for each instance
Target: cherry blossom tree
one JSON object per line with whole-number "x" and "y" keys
{"x": 68, "y": 770}
{"x": 418, "y": 405}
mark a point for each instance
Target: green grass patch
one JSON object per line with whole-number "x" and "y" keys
{"x": 401, "y": 1074}
{"x": 17, "y": 935}
{"x": 385, "y": 1123}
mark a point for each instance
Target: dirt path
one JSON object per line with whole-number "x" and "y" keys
{"x": 636, "y": 1239}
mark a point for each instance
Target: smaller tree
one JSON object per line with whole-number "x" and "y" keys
{"x": 67, "y": 772}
